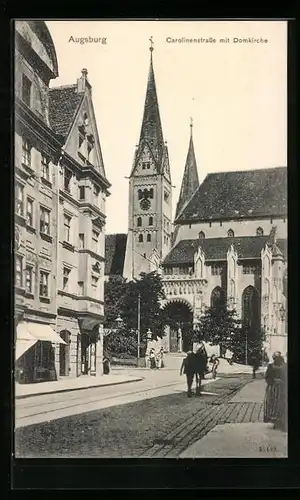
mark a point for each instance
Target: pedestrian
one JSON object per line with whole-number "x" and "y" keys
{"x": 106, "y": 365}
{"x": 160, "y": 358}
{"x": 200, "y": 358}
{"x": 255, "y": 361}
{"x": 215, "y": 363}
{"x": 275, "y": 395}
{"x": 152, "y": 359}
{"x": 188, "y": 368}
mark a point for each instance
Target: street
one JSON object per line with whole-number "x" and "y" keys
{"x": 149, "y": 418}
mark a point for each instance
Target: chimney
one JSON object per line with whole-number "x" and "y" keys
{"x": 82, "y": 82}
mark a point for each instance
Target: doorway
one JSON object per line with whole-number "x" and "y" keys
{"x": 64, "y": 354}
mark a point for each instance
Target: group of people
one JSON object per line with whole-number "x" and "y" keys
{"x": 195, "y": 366}
{"x": 156, "y": 359}
{"x": 275, "y": 403}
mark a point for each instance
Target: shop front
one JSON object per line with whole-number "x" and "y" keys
{"x": 35, "y": 352}
{"x": 91, "y": 347}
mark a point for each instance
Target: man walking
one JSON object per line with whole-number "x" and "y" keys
{"x": 188, "y": 368}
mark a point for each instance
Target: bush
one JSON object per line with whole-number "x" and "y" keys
{"x": 123, "y": 345}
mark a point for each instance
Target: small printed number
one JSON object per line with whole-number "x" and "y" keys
{"x": 267, "y": 448}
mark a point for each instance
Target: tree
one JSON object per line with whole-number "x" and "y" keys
{"x": 220, "y": 326}
{"x": 150, "y": 290}
{"x": 114, "y": 296}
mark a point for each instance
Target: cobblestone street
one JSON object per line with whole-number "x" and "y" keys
{"x": 156, "y": 427}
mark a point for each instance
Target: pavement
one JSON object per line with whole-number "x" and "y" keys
{"x": 74, "y": 384}
{"x": 254, "y": 439}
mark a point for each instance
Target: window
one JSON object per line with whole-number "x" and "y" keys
{"x": 140, "y": 194}
{"x": 82, "y": 192}
{"x": 26, "y": 152}
{"x": 151, "y": 193}
{"x": 139, "y": 221}
{"x": 29, "y": 212}
{"x": 29, "y": 279}
{"x": 80, "y": 140}
{"x": 95, "y": 239}
{"x": 26, "y": 90}
{"x": 141, "y": 239}
{"x": 66, "y": 276}
{"x": 67, "y": 227}
{"x": 96, "y": 191}
{"x": 67, "y": 179}
{"x": 150, "y": 221}
{"x": 148, "y": 237}
{"x": 44, "y": 284}
{"x": 201, "y": 235}
{"x": 216, "y": 269}
{"x": 259, "y": 231}
{"x": 145, "y": 164}
{"x": 81, "y": 240}
{"x": 230, "y": 233}
{"x": 19, "y": 199}
{"x": 45, "y": 167}
{"x": 89, "y": 149}
{"x": 95, "y": 281}
{"x": 249, "y": 269}
{"x": 45, "y": 221}
{"x": 166, "y": 196}
{"x": 80, "y": 287}
{"x": 19, "y": 271}
{"x": 85, "y": 119}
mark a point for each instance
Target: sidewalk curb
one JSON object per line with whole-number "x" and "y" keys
{"x": 24, "y": 396}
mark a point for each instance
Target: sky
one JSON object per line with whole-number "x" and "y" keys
{"x": 235, "y": 92}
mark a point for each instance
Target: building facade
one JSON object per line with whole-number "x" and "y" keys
{"x": 228, "y": 241}
{"x": 61, "y": 188}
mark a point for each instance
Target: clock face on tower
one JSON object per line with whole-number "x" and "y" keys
{"x": 145, "y": 204}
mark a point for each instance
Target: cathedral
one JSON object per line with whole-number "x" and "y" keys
{"x": 227, "y": 242}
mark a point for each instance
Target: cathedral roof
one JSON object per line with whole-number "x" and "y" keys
{"x": 247, "y": 247}
{"x": 151, "y": 131}
{"x": 235, "y": 195}
{"x": 115, "y": 247}
{"x": 64, "y": 102}
{"x": 190, "y": 180}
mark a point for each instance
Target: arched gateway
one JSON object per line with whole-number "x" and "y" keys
{"x": 178, "y": 325}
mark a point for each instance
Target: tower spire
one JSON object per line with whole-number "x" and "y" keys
{"x": 151, "y": 130}
{"x": 190, "y": 180}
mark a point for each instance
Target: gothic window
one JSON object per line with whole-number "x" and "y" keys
{"x": 201, "y": 235}
{"x": 230, "y": 233}
{"x": 217, "y": 298}
{"x": 151, "y": 193}
{"x": 259, "y": 231}
{"x": 139, "y": 221}
{"x": 249, "y": 269}
{"x": 216, "y": 269}
{"x": 150, "y": 221}
{"x": 148, "y": 237}
{"x": 140, "y": 194}
{"x": 141, "y": 239}
{"x": 251, "y": 308}
{"x": 166, "y": 196}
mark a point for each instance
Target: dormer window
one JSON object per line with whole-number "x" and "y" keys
{"x": 201, "y": 235}
{"x": 259, "y": 231}
{"x": 166, "y": 196}
{"x": 26, "y": 90}
{"x": 230, "y": 233}
{"x": 145, "y": 165}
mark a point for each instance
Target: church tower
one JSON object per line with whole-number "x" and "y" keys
{"x": 190, "y": 180}
{"x": 150, "y": 192}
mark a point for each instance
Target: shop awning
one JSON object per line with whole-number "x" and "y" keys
{"x": 29, "y": 333}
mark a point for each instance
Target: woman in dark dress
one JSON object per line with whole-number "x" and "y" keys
{"x": 275, "y": 392}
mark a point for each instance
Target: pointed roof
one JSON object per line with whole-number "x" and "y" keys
{"x": 190, "y": 180}
{"x": 151, "y": 131}
{"x": 64, "y": 102}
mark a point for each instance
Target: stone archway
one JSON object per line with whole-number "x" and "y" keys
{"x": 178, "y": 317}
{"x": 251, "y": 308}
{"x": 64, "y": 354}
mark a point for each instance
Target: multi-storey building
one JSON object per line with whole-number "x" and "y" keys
{"x": 60, "y": 192}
